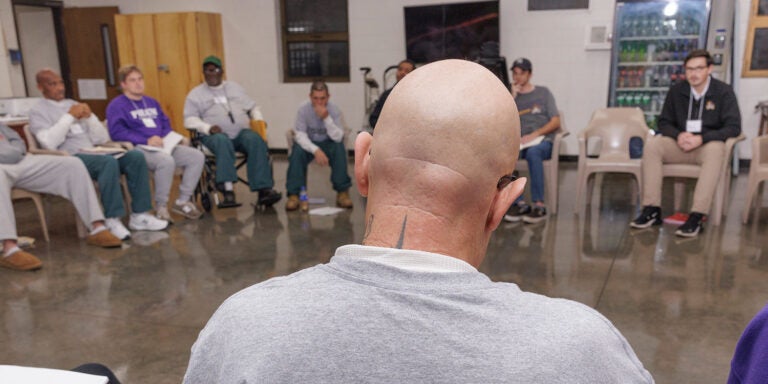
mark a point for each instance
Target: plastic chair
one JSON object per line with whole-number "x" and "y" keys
{"x": 18, "y": 193}
{"x": 692, "y": 171}
{"x": 758, "y": 172}
{"x": 551, "y": 167}
{"x": 614, "y": 127}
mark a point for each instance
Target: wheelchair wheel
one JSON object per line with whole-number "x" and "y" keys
{"x": 205, "y": 201}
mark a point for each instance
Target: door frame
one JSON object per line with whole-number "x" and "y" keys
{"x": 56, "y": 7}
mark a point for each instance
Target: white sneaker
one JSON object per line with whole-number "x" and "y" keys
{"x": 117, "y": 228}
{"x": 146, "y": 222}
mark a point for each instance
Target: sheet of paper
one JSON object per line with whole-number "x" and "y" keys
{"x": 13, "y": 374}
{"x": 533, "y": 142}
{"x": 325, "y": 211}
{"x": 92, "y": 89}
{"x": 170, "y": 141}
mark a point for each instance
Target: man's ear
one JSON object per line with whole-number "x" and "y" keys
{"x": 362, "y": 158}
{"x": 502, "y": 201}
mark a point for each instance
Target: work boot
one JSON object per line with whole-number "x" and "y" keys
{"x": 293, "y": 203}
{"x": 343, "y": 200}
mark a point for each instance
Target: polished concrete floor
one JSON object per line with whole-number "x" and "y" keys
{"x": 682, "y": 304}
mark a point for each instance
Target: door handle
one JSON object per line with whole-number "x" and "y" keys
{"x": 164, "y": 68}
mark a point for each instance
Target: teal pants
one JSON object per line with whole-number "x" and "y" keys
{"x": 254, "y": 148}
{"x": 106, "y": 171}
{"x": 300, "y": 159}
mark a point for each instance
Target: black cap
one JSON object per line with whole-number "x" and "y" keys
{"x": 523, "y": 64}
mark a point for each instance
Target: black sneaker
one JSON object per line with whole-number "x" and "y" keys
{"x": 268, "y": 197}
{"x": 516, "y": 212}
{"x": 692, "y": 226}
{"x": 650, "y": 216}
{"x": 537, "y": 214}
{"x": 229, "y": 200}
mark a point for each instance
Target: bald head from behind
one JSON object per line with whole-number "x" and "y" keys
{"x": 448, "y": 133}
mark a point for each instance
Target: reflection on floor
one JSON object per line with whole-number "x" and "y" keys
{"x": 681, "y": 303}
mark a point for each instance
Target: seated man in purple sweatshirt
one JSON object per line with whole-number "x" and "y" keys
{"x": 139, "y": 119}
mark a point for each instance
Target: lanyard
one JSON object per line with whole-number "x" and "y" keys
{"x": 228, "y": 108}
{"x": 143, "y": 104}
{"x": 701, "y": 105}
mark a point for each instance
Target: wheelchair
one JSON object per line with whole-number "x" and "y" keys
{"x": 206, "y": 191}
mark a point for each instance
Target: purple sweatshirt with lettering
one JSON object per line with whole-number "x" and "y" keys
{"x": 136, "y": 120}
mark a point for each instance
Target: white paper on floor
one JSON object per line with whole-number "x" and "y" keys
{"x": 325, "y": 211}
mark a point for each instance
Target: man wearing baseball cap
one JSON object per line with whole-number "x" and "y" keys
{"x": 222, "y": 112}
{"x": 539, "y": 117}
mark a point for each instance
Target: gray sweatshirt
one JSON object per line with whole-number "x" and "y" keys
{"x": 55, "y": 128}
{"x": 12, "y": 148}
{"x": 355, "y": 320}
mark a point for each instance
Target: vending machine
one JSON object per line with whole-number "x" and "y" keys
{"x": 651, "y": 38}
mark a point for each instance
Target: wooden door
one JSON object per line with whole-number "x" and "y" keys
{"x": 89, "y": 35}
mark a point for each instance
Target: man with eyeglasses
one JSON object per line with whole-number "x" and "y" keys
{"x": 539, "y": 119}
{"x": 409, "y": 305}
{"x": 223, "y": 112}
{"x": 699, "y": 114}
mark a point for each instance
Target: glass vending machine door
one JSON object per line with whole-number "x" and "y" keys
{"x": 652, "y": 40}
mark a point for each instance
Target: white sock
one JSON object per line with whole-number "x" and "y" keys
{"x": 182, "y": 201}
{"x": 227, "y": 185}
{"x": 99, "y": 229}
{"x": 12, "y": 251}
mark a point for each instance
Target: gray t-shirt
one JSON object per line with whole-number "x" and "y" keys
{"x": 308, "y": 122}
{"x": 536, "y": 109}
{"x": 213, "y": 104}
{"x": 355, "y": 320}
{"x": 82, "y": 133}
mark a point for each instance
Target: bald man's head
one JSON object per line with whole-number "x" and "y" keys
{"x": 451, "y": 118}
{"x": 448, "y": 133}
{"x": 50, "y": 84}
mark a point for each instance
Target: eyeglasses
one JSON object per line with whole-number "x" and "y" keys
{"x": 212, "y": 70}
{"x": 505, "y": 180}
{"x": 695, "y": 69}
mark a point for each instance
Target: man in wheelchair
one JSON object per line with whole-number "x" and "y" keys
{"x": 223, "y": 113}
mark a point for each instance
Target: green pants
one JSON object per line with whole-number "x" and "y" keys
{"x": 106, "y": 171}
{"x": 254, "y": 148}
{"x": 300, "y": 159}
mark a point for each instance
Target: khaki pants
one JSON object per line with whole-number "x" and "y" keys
{"x": 661, "y": 150}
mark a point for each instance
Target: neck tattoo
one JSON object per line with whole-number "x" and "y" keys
{"x": 402, "y": 234}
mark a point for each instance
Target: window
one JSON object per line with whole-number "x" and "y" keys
{"x": 756, "y": 51}
{"x": 315, "y": 35}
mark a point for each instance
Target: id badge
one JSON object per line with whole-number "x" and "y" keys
{"x": 149, "y": 123}
{"x": 220, "y": 100}
{"x": 693, "y": 126}
{"x": 76, "y": 128}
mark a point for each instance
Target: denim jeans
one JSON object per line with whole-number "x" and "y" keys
{"x": 535, "y": 157}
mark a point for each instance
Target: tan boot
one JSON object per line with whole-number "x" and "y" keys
{"x": 343, "y": 200}
{"x": 20, "y": 261}
{"x": 293, "y": 203}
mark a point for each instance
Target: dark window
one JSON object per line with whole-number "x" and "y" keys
{"x": 315, "y": 40}
{"x": 546, "y": 5}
